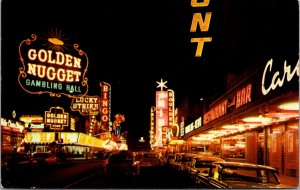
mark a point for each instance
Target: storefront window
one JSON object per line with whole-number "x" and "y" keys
{"x": 293, "y": 126}
{"x": 278, "y": 129}
{"x": 6, "y": 145}
{"x": 291, "y": 147}
{"x": 234, "y": 147}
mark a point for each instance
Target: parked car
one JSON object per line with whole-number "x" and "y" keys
{"x": 45, "y": 158}
{"x": 202, "y": 164}
{"x": 240, "y": 175}
{"x": 103, "y": 157}
{"x": 123, "y": 163}
{"x": 185, "y": 161}
{"x": 17, "y": 161}
{"x": 169, "y": 159}
{"x": 150, "y": 159}
{"x": 177, "y": 160}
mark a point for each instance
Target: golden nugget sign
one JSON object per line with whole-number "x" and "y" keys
{"x": 49, "y": 66}
{"x": 56, "y": 118}
{"x": 86, "y": 105}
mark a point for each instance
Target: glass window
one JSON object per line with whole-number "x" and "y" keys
{"x": 292, "y": 126}
{"x": 234, "y": 147}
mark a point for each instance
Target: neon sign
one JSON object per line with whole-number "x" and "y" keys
{"x": 56, "y": 118}
{"x": 277, "y": 80}
{"x": 105, "y": 106}
{"x": 202, "y": 23}
{"x": 194, "y": 125}
{"x": 152, "y": 124}
{"x": 162, "y": 118}
{"x": 49, "y": 66}
{"x": 171, "y": 104}
{"x": 86, "y": 105}
{"x": 241, "y": 98}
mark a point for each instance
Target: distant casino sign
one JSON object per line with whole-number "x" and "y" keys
{"x": 56, "y": 118}
{"x": 86, "y": 105}
{"x": 49, "y": 65}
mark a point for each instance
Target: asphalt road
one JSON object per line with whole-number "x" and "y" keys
{"x": 90, "y": 175}
{"x": 150, "y": 178}
{"x": 50, "y": 177}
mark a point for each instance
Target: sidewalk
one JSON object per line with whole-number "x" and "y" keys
{"x": 291, "y": 181}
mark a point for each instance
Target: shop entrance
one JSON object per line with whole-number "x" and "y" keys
{"x": 260, "y": 148}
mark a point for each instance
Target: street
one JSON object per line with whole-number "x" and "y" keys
{"x": 50, "y": 177}
{"x": 90, "y": 175}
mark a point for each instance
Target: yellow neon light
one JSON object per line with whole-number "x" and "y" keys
{"x": 257, "y": 119}
{"x": 61, "y": 74}
{"x": 55, "y": 41}
{"x": 289, "y": 106}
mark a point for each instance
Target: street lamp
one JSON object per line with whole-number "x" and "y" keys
{"x": 203, "y": 105}
{"x": 142, "y": 139}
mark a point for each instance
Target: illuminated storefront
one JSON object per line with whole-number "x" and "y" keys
{"x": 12, "y": 135}
{"x": 51, "y": 64}
{"x": 255, "y": 121}
{"x": 71, "y": 142}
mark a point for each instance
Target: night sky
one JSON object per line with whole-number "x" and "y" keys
{"x": 133, "y": 44}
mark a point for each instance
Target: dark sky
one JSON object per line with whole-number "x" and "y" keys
{"x": 133, "y": 44}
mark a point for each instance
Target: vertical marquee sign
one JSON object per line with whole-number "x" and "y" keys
{"x": 152, "y": 125}
{"x": 171, "y": 104}
{"x": 51, "y": 66}
{"x": 161, "y": 114}
{"x": 203, "y": 24}
{"x": 105, "y": 106}
{"x": 88, "y": 106}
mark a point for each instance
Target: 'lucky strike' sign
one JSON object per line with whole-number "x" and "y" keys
{"x": 51, "y": 66}
{"x": 86, "y": 105}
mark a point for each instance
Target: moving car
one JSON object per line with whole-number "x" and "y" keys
{"x": 17, "y": 161}
{"x": 151, "y": 159}
{"x": 45, "y": 158}
{"x": 240, "y": 175}
{"x": 123, "y": 163}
